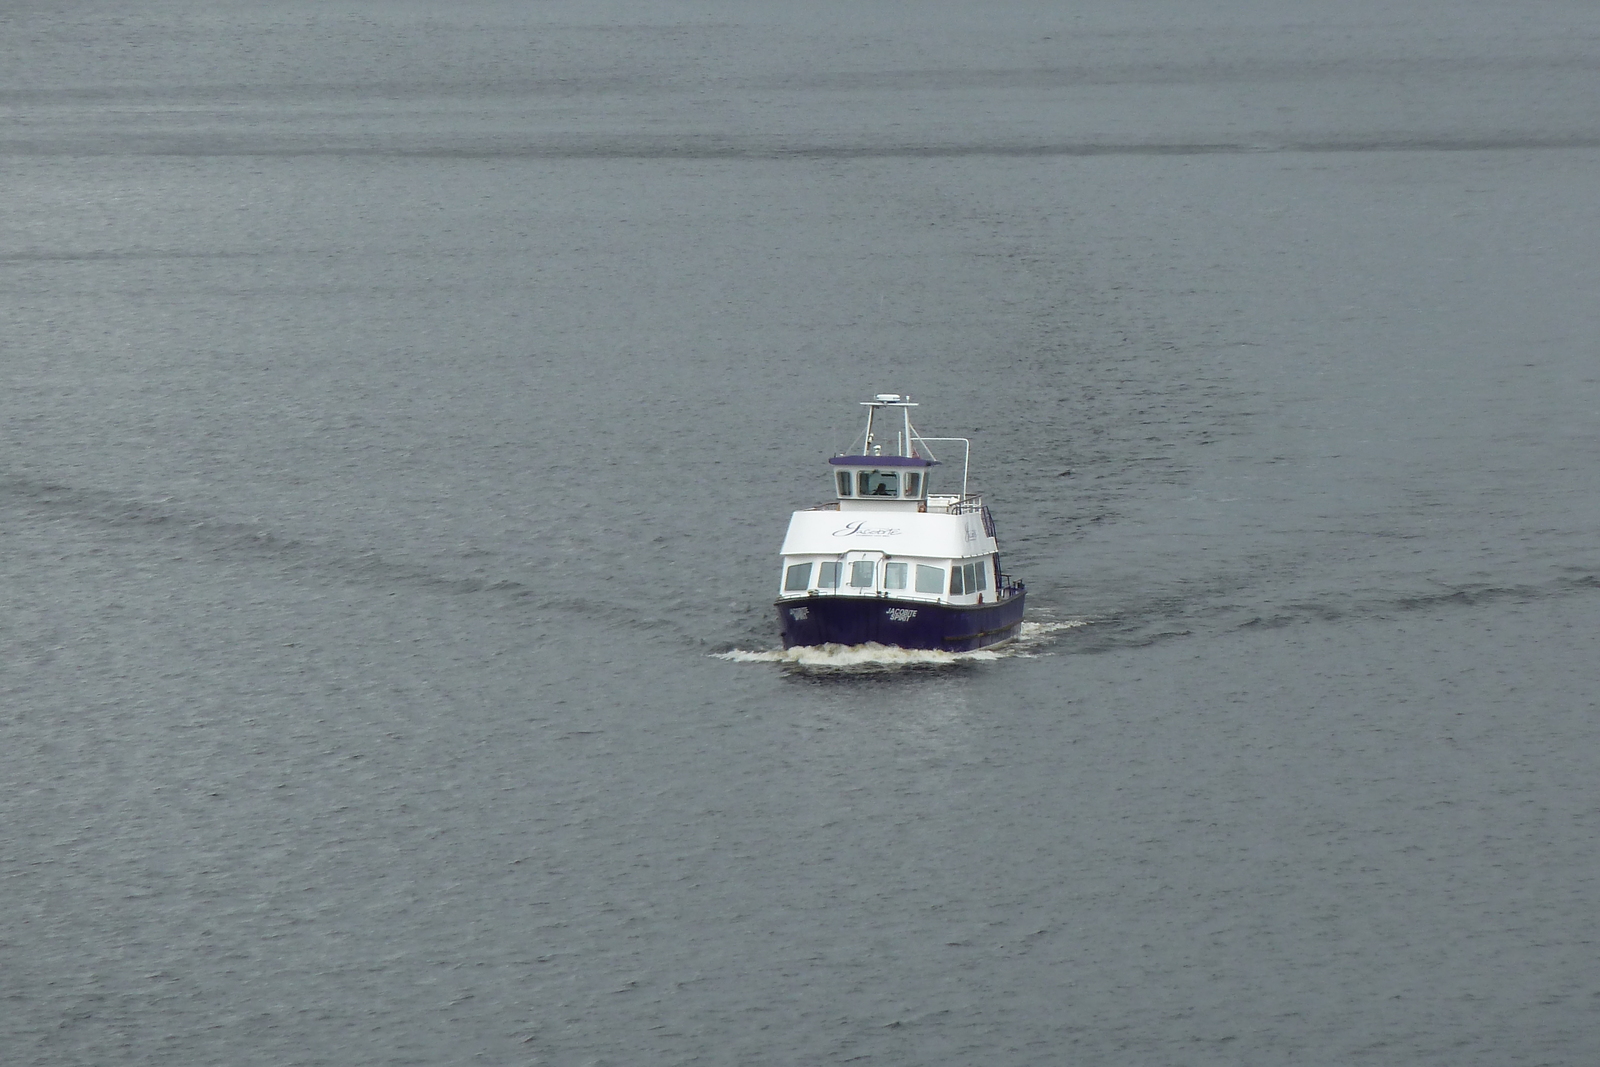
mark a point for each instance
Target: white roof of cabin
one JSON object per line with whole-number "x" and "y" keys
{"x": 898, "y": 533}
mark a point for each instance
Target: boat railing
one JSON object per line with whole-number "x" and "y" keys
{"x": 832, "y": 505}
{"x": 968, "y": 504}
{"x": 1010, "y": 587}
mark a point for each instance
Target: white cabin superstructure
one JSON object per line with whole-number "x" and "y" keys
{"x": 886, "y": 535}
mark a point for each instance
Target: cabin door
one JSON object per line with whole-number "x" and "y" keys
{"x": 862, "y": 574}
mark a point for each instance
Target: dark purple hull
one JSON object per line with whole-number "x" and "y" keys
{"x": 856, "y": 620}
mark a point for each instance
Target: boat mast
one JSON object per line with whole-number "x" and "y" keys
{"x": 904, "y": 437}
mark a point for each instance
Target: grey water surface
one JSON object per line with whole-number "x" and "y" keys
{"x": 401, "y": 405}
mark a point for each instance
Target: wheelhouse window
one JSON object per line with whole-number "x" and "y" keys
{"x": 929, "y": 579}
{"x": 913, "y": 484}
{"x": 878, "y": 483}
{"x": 981, "y": 572}
{"x": 844, "y": 483}
{"x": 861, "y": 573}
{"x": 828, "y": 575}
{"x": 894, "y": 575}
{"x": 797, "y": 578}
{"x": 957, "y": 585}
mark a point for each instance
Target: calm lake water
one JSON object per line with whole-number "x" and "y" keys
{"x": 403, "y": 404}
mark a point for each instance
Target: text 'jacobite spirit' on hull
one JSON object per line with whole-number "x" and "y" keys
{"x": 891, "y": 562}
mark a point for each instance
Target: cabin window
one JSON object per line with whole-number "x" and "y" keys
{"x": 828, "y": 575}
{"x": 878, "y": 483}
{"x": 844, "y": 483}
{"x": 956, "y": 585}
{"x": 913, "y": 483}
{"x": 861, "y": 574}
{"x": 929, "y": 579}
{"x": 798, "y": 577}
{"x": 894, "y": 575}
{"x": 983, "y": 574}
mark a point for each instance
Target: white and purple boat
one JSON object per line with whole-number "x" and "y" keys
{"x": 891, "y": 562}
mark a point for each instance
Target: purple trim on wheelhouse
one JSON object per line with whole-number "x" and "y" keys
{"x": 856, "y": 620}
{"x": 882, "y": 461}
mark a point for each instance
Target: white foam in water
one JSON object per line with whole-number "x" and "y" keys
{"x": 856, "y": 657}
{"x": 887, "y": 657}
{"x": 1035, "y": 634}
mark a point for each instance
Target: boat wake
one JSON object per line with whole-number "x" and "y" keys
{"x": 874, "y": 657}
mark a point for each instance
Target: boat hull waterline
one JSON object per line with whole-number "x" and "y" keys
{"x": 855, "y": 620}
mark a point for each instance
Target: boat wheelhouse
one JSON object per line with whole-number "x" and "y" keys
{"x": 890, "y": 561}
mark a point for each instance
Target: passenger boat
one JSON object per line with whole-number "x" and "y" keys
{"x": 889, "y": 560}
